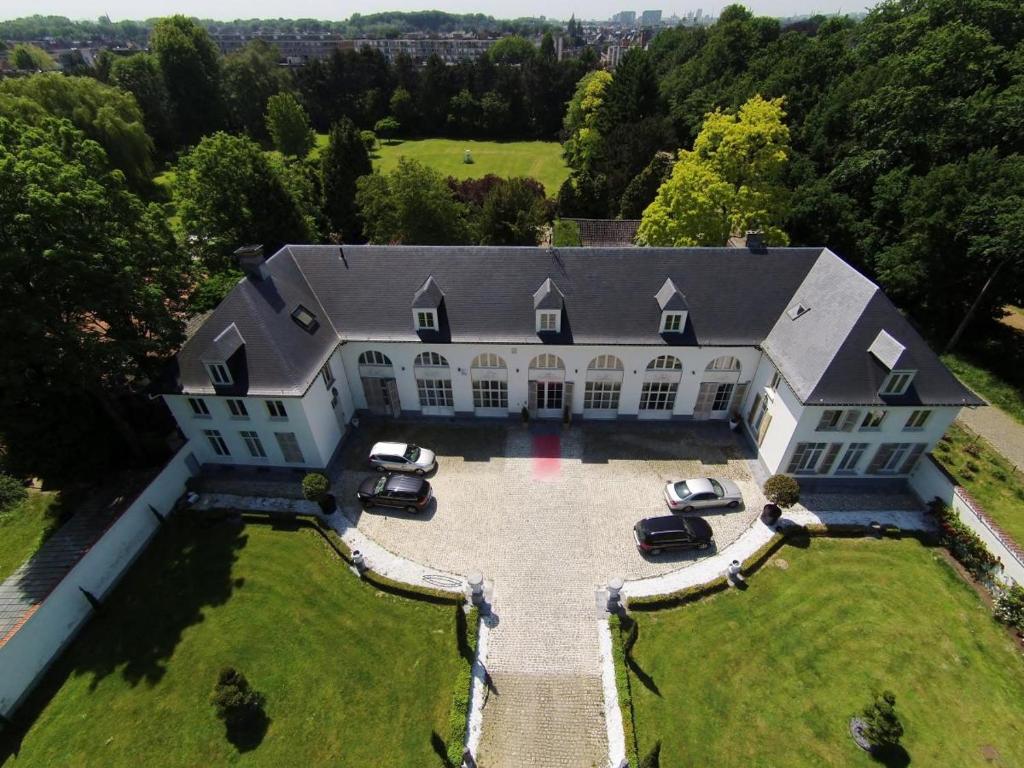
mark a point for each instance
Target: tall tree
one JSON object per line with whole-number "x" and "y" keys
{"x": 729, "y": 183}
{"x": 32, "y": 58}
{"x": 91, "y": 284}
{"x": 288, "y": 125}
{"x": 343, "y": 161}
{"x": 191, "y": 65}
{"x": 513, "y": 213}
{"x": 582, "y": 138}
{"x": 251, "y": 76}
{"x": 140, "y": 76}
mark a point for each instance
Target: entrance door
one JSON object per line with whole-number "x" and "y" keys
{"x": 391, "y": 397}
{"x": 382, "y": 396}
{"x": 549, "y": 398}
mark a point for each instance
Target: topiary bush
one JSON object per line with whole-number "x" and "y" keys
{"x": 315, "y": 486}
{"x": 240, "y": 707}
{"x": 882, "y": 726}
{"x": 12, "y": 491}
{"x": 783, "y": 490}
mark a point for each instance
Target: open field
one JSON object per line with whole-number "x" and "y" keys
{"x": 352, "y": 676}
{"x": 770, "y": 676}
{"x": 24, "y": 527}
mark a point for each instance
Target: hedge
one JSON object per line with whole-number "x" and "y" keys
{"x": 963, "y": 543}
{"x": 617, "y": 624}
{"x": 458, "y": 715}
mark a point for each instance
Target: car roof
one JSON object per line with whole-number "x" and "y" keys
{"x": 668, "y": 523}
{"x": 698, "y": 527}
{"x": 409, "y": 483}
{"x": 388, "y": 448}
{"x": 699, "y": 485}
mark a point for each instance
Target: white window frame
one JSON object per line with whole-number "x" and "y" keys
{"x": 490, "y": 394}
{"x": 276, "y": 410}
{"x": 665, "y": 363}
{"x": 896, "y": 383}
{"x": 426, "y": 319}
{"x": 373, "y": 357}
{"x": 658, "y": 396}
{"x": 851, "y": 458}
{"x": 546, "y": 361}
{"x": 237, "y": 409}
{"x": 253, "y": 443}
{"x": 671, "y": 322}
{"x": 219, "y": 374}
{"x": 605, "y": 363}
{"x": 200, "y": 410}
{"x": 724, "y": 363}
{"x": 548, "y": 321}
{"x": 899, "y": 454}
{"x": 435, "y": 393}
{"x": 327, "y": 375}
{"x": 831, "y": 420}
{"x": 723, "y": 397}
{"x": 217, "y": 442}
{"x": 601, "y": 395}
{"x": 431, "y": 360}
{"x": 917, "y": 420}
{"x": 873, "y": 420}
{"x": 490, "y": 361}
{"x": 806, "y": 457}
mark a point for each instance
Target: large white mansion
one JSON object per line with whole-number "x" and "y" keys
{"x": 827, "y": 376}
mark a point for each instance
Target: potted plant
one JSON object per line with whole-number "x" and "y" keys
{"x": 734, "y": 420}
{"x": 316, "y": 487}
{"x": 525, "y": 415}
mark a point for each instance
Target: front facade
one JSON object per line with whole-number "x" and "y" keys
{"x": 314, "y": 335}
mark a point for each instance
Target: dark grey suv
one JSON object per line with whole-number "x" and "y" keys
{"x": 409, "y": 493}
{"x": 654, "y": 535}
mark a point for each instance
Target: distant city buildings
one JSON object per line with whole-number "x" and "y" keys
{"x": 650, "y": 18}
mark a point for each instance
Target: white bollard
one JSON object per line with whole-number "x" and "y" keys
{"x": 359, "y": 561}
{"x": 476, "y": 588}
{"x": 614, "y": 593}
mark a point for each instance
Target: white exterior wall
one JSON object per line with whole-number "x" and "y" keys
{"x": 576, "y": 359}
{"x": 327, "y": 422}
{"x": 784, "y": 409}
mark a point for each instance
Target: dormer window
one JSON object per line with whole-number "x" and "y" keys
{"x": 896, "y": 382}
{"x": 548, "y": 322}
{"x": 674, "y": 307}
{"x": 672, "y": 322}
{"x": 219, "y": 374}
{"x": 426, "y": 320}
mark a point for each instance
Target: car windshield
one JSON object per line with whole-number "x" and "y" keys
{"x": 412, "y": 453}
{"x": 380, "y": 485}
{"x": 717, "y": 488}
{"x": 682, "y": 490}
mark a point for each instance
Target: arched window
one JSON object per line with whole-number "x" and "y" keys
{"x": 547, "y": 361}
{"x": 665, "y": 363}
{"x": 724, "y": 363}
{"x": 373, "y": 357}
{"x": 605, "y": 363}
{"x": 431, "y": 360}
{"x": 488, "y": 360}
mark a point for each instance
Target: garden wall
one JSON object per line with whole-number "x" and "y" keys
{"x": 37, "y": 644}
{"x": 929, "y": 480}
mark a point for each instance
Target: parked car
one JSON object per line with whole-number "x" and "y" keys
{"x": 401, "y": 457}
{"x": 392, "y": 490}
{"x": 656, "y": 534}
{"x": 702, "y": 492}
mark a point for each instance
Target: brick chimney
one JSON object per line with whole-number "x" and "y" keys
{"x": 250, "y": 260}
{"x": 755, "y": 241}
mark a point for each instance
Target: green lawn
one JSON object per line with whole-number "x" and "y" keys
{"x": 24, "y": 527}
{"x": 352, "y": 676}
{"x": 994, "y": 388}
{"x": 770, "y": 676}
{"x": 541, "y": 160}
{"x": 987, "y": 476}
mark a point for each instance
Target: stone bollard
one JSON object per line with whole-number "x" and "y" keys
{"x": 359, "y": 561}
{"x": 476, "y": 588}
{"x": 614, "y": 594}
{"x": 735, "y": 572}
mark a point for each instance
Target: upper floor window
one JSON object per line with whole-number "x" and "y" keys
{"x": 548, "y": 321}
{"x": 897, "y": 382}
{"x": 431, "y": 360}
{"x": 605, "y": 363}
{"x": 724, "y": 363}
{"x": 373, "y": 357}
{"x": 872, "y": 420}
{"x": 327, "y": 375}
{"x": 830, "y": 421}
{"x": 776, "y": 379}
{"x": 917, "y": 420}
{"x": 426, "y": 320}
{"x": 219, "y": 373}
{"x": 276, "y": 409}
{"x": 198, "y": 406}
{"x": 671, "y": 321}
{"x": 547, "y": 361}
{"x": 488, "y": 360}
{"x": 665, "y": 363}
{"x": 237, "y": 409}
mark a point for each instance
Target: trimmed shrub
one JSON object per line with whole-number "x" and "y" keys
{"x": 315, "y": 486}
{"x": 1009, "y": 607}
{"x": 783, "y": 490}
{"x": 239, "y": 706}
{"x": 963, "y": 543}
{"x": 12, "y": 491}
{"x": 459, "y": 712}
{"x": 882, "y": 727}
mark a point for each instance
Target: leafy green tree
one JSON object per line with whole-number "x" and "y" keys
{"x": 583, "y": 140}
{"x": 729, "y": 183}
{"x": 103, "y": 113}
{"x": 583, "y": 195}
{"x": 642, "y": 189}
{"x": 547, "y": 46}
{"x": 91, "y": 281}
{"x": 403, "y": 107}
{"x": 251, "y": 77}
{"x": 228, "y": 194}
{"x": 191, "y": 65}
{"x": 343, "y": 161}
{"x": 412, "y": 205}
{"x": 288, "y": 125}
{"x": 513, "y": 213}
{"x": 512, "y": 49}
{"x": 140, "y": 76}
{"x": 211, "y": 289}
{"x": 464, "y": 114}
{"x": 386, "y": 128}
{"x": 882, "y": 726}
{"x": 31, "y": 57}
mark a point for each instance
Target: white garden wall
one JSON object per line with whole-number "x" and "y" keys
{"x": 56, "y": 621}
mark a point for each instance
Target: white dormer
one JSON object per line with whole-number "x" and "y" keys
{"x": 548, "y": 303}
{"x": 224, "y": 346}
{"x": 890, "y": 353}
{"x": 674, "y": 309}
{"x": 426, "y": 303}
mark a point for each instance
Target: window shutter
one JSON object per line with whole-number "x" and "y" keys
{"x": 915, "y": 454}
{"x": 567, "y": 396}
{"x": 753, "y": 409}
{"x": 764, "y": 427}
{"x": 830, "y": 457}
{"x": 739, "y": 392}
{"x": 823, "y": 422}
{"x": 850, "y": 420}
{"x": 881, "y": 457}
{"x": 532, "y": 398}
{"x": 705, "y": 399}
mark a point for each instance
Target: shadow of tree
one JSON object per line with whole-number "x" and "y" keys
{"x": 891, "y": 756}
{"x": 246, "y": 738}
{"x": 630, "y": 640}
{"x": 440, "y": 749}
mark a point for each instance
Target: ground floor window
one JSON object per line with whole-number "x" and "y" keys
{"x": 435, "y": 392}
{"x": 217, "y": 442}
{"x": 854, "y": 453}
{"x": 601, "y": 395}
{"x": 658, "y": 396}
{"x": 896, "y": 458}
{"x": 490, "y": 394}
{"x": 723, "y": 396}
{"x": 806, "y": 457}
{"x": 254, "y": 444}
{"x": 289, "y": 445}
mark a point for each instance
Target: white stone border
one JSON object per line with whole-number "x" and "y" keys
{"x": 612, "y": 710}
{"x": 478, "y": 688}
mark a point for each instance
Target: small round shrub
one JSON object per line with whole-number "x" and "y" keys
{"x": 315, "y": 486}
{"x": 1009, "y": 608}
{"x": 237, "y": 704}
{"x": 12, "y": 491}
{"x": 783, "y": 490}
{"x": 972, "y": 466}
{"x": 882, "y": 727}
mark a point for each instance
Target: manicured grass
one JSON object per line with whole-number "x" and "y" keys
{"x": 351, "y": 675}
{"x": 989, "y": 385}
{"x": 770, "y": 676}
{"x": 23, "y": 529}
{"x": 541, "y": 160}
{"x": 987, "y": 476}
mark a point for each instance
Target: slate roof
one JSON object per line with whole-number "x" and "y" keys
{"x": 735, "y": 297}
{"x": 429, "y": 295}
{"x": 548, "y": 296}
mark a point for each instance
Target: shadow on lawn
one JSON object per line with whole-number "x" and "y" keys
{"x": 892, "y": 757}
{"x": 186, "y": 569}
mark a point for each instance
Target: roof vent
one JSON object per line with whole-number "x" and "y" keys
{"x": 797, "y": 310}
{"x": 250, "y": 260}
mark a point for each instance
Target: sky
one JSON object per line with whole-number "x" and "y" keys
{"x": 331, "y": 9}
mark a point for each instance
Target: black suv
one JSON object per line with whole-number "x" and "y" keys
{"x": 655, "y": 534}
{"x": 409, "y": 493}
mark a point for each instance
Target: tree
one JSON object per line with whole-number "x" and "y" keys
{"x": 191, "y": 65}
{"x": 640, "y": 192}
{"x": 728, "y": 184}
{"x": 227, "y": 194}
{"x": 386, "y": 127}
{"x": 251, "y": 77}
{"x": 140, "y": 76}
{"x": 411, "y": 205}
{"x": 32, "y": 58}
{"x": 882, "y": 726}
{"x": 547, "y": 46}
{"x": 582, "y": 139}
{"x": 512, "y": 214}
{"x": 403, "y": 108}
{"x": 240, "y": 707}
{"x": 343, "y": 161}
{"x": 91, "y": 281}
{"x": 288, "y": 125}
{"x": 512, "y": 49}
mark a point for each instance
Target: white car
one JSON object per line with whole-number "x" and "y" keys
{"x": 702, "y": 492}
{"x": 402, "y": 457}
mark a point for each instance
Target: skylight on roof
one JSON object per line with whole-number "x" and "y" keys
{"x": 797, "y": 310}
{"x": 306, "y": 319}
